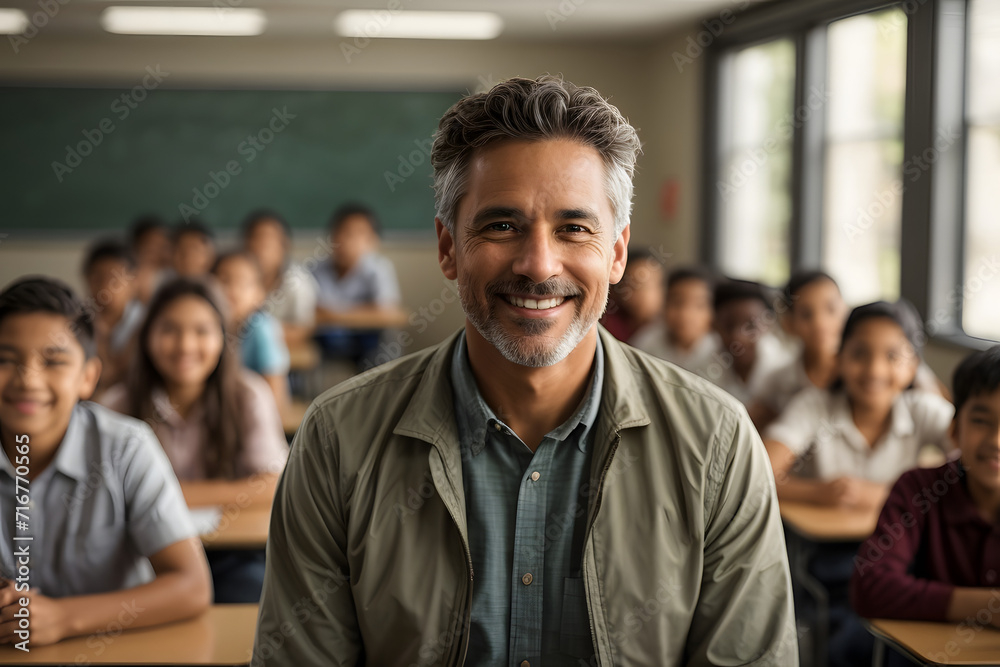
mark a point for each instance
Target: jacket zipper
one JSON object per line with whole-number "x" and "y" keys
{"x": 590, "y": 527}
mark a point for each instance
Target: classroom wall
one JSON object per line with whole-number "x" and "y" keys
{"x": 662, "y": 99}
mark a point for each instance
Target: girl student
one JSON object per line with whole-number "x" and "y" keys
{"x": 217, "y": 422}
{"x": 815, "y": 316}
{"x": 843, "y": 446}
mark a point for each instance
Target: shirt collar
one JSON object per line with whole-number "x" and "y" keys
{"x": 71, "y": 458}
{"x": 475, "y": 416}
{"x": 901, "y": 419}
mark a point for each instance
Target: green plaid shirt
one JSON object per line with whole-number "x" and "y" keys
{"x": 526, "y": 517}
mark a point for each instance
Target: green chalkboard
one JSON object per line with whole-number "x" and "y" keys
{"x": 89, "y": 158}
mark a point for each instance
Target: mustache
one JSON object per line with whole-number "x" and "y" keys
{"x": 550, "y": 288}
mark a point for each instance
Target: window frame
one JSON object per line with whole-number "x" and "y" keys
{"x": 932, "y": 243}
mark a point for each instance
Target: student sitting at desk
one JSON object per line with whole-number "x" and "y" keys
{"x": 109, "y": 271}
{"x": 151, "y": 248}
{"x": 845, "y": 445}
{"x": 193, "y": 249}
{"x": 257, "y": 335}
{"x": 683, "y": 335}
{"x": 291, "y": 290}
{"x": 104, "y": 511}
{"x": 935, "y": 554}
{"x": 218, "y": 423}
{"x": 358, "y": 293}
{"x": 637, "y": 300}
{"x": 747, "y": 350}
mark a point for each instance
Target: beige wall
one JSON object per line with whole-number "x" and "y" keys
{"x": 663, "y": 101}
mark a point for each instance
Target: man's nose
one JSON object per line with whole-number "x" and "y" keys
{"x": 539, "y": 256}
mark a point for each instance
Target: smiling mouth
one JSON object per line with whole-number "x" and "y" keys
{"x": 535, "y": 304}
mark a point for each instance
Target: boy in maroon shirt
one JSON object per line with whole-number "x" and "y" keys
{"x": 935, "y": 554}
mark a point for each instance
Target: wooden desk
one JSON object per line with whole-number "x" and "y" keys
{"x": 806, "y": 527}
{"x": 937, "y": 643}
{"x": 223, "y": 635}
{"x": 240, "y": 528}
{"x": 303, "y": 357}
{"x": 828, "y": 524}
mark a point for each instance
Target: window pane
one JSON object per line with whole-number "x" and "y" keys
{"x": 981, "y": 289}
{"x": 754, "y": 184}
{"x": 862, "y": 197}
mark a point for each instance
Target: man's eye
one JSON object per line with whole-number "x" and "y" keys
{"x": 500, "y": 227}
{"x": 575, "y": 228}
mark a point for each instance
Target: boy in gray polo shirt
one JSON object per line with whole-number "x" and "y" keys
{"x": 89, "y": 505}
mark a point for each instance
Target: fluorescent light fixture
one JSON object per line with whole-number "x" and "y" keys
{"x": 417, "y": 24}
{"x": 183, "y": 20}
{"x": 13, "y": 21}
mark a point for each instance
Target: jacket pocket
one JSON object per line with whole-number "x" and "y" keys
{"x": 574, "y": 636}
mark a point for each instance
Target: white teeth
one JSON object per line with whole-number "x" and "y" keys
{"x": 534, "y": 304}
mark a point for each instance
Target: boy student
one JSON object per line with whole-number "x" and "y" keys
{"x": 291, "y": 289}
{"x": 637, "y": 300}
{"x": 683, "y": 335}
{"x": 150, "y": 246}
{"x": 193, "y": 249}
{"x": 747, "y": 352}
{"x": 935, "y": 553}
{"x": 109, "y": 271}
{"x": 105, "y": 512}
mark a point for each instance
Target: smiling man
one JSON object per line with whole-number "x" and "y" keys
{"x": 530, "y": 491}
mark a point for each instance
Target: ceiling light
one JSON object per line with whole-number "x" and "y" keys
{"x": 417, "y": 24}
{"x": 13, "y": 21}
{"x": 183, "y": 20}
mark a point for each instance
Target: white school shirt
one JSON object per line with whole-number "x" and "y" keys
{"x": 818, "y": 428}
{"x": 293, "y": 301}
{"x": 771, "y": 354}
{"x": 652, "y": 338}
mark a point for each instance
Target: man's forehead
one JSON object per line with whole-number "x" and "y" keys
{"x": 38, "y": 332}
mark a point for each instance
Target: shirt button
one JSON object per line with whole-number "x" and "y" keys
{"x": 535, "y": 475}
{"x": 497, "y": 426}
{"x": 527, "y": 579}
{"x": 525, "y": 663}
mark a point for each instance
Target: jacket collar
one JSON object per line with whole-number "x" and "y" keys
{"x": 430, "y": 414}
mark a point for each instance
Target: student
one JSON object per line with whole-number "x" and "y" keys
{"x": 257, "y": 335}
{"x": 193, "y": 249}
{"x": 109, "y": 525}
{"x": 109, "y": 271}
{"x": 358, "y": 295}
{"x": 218, "y": 423}
{"x": 843, "y": 446}
{"x": 637, "y": 299}
{"x": 747, "y": 353}
{"x": 291, "y": 289}
{"x": 815, "y": 316}
{"x": 683, "y": 335}
{"x": 935, "y": 554}
{"x": 151, "y": 248}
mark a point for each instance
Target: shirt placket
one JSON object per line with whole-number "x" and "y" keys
{"x": 527, "y": 580}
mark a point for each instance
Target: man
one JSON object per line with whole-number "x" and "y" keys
{"x": 530, "y": 491}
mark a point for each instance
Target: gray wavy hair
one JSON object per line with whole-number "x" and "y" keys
{"x": 533, "y": 109}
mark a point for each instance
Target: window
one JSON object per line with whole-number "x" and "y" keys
{"x": 754, "y": 181}
{"x": 981, "y": 289}
{"x": 862, "y": 193}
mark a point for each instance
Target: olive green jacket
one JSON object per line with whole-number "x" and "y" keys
{"x": 368, "y": 561}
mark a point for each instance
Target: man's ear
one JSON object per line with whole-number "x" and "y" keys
{"x": 446, "y": 250}
{"x": 91, "y": 374}
{"x": 620, "y": 255}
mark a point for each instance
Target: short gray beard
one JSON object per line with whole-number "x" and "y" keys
{"x": 512, "y": 348}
